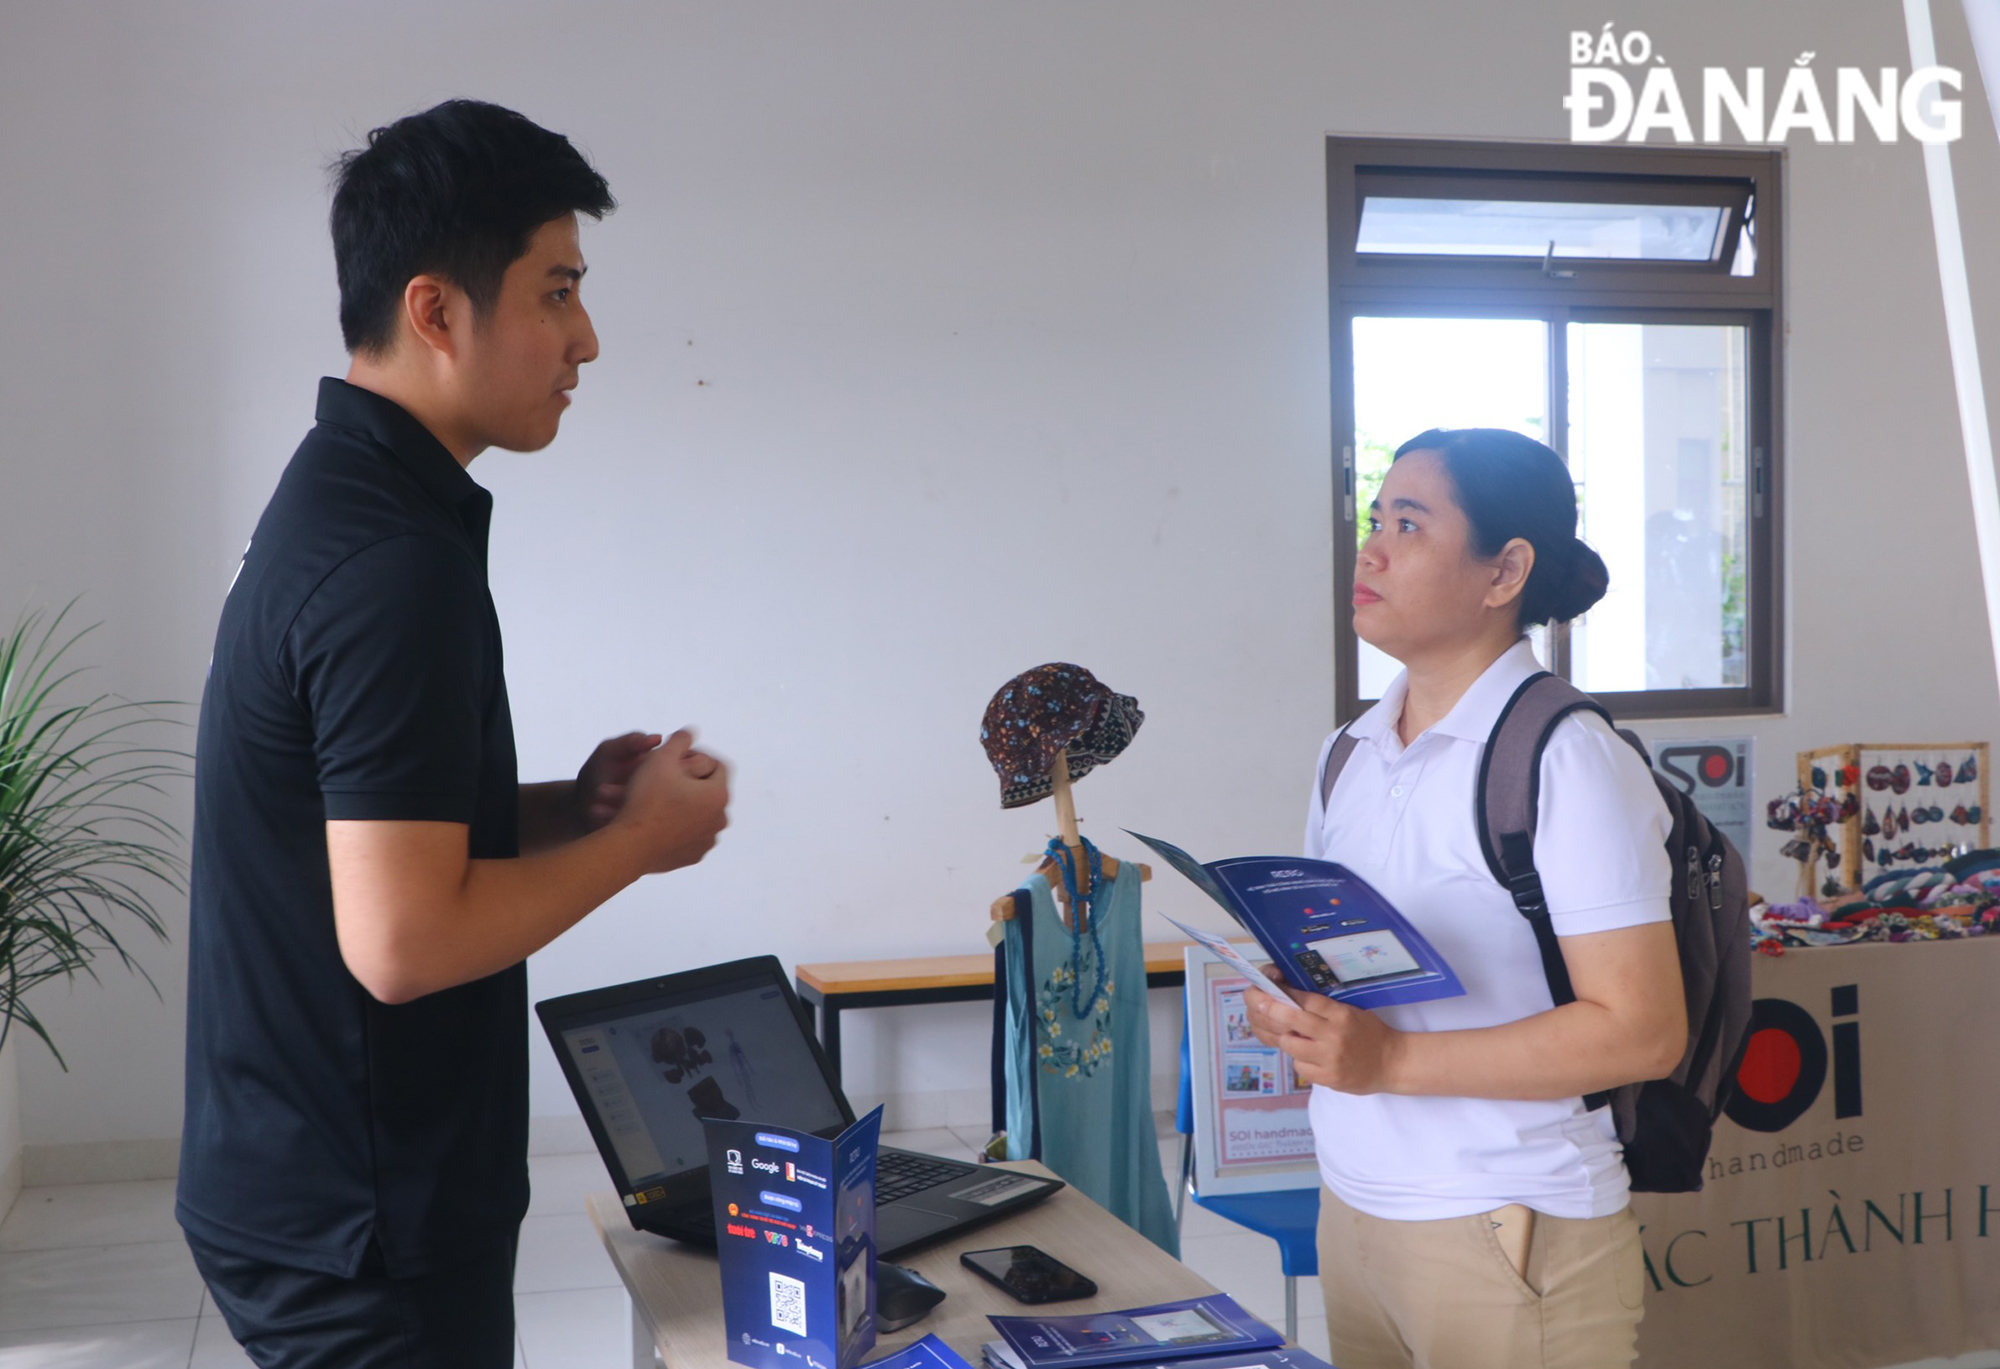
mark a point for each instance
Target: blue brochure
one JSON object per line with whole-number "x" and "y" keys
{"x": 1169, "y": 1330}
{"x": 795, "y": 1234}
{"x": 1324, "y": 926}
{"x": 1285, "y": 1357}
{"x": 928, "y": 1353}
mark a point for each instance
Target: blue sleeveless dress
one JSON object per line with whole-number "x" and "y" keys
{"x": 1081, "y": 1086}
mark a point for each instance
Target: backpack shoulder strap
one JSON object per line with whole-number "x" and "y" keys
{"x": 1336, "y": 761}
{"x": 1510, "y": 773}
{"x": 1505, "y": 807}
{"x": 1509, "y": 795}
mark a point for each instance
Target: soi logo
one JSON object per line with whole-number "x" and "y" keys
{"x": 1784, "y": 1065}
{"x": 1714, "y": 767}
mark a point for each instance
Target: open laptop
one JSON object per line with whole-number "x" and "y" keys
{"x": 648, "y": 1060}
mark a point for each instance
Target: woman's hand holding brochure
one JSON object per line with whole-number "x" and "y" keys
{"x": 1330, "y": 1043}
{"x": 1350, "y": 1049}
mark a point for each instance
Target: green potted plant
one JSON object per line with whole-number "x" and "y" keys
{"x": 80, "y": 852}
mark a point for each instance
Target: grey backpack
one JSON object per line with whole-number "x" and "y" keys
{"x": 1665, "y": 1124}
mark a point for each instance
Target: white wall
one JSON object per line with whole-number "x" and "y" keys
{"x": 11, "y": 1165}
{"x": 939, "y": 340}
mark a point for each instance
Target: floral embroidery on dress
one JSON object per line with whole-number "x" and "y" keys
{"x": 1074, "y": 1055}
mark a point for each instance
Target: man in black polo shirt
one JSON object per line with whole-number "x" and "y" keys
{"x": 369, "y": 876}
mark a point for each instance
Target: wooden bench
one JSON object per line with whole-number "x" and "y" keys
{"x": 833, "y": 987}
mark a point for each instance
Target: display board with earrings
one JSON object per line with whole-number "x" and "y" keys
{"x": 1892, "y": 807}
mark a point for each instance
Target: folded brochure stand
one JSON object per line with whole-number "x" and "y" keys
{"x": 1323, "y": 926}
{"x": 795, "y": 1235}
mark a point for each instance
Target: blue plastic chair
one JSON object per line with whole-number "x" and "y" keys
{"x": 1288, "y": 1216}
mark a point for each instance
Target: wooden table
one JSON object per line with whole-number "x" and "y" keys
{"x": 676, "y": 1290}
{"x": 830, "y": 988}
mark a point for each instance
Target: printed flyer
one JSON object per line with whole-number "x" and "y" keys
{"x": 795, "y": 1233}
{"x": 1262, "y": 1104}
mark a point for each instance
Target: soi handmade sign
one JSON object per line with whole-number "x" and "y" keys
{"x": 1850, "y": 1214}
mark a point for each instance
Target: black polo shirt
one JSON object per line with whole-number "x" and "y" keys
{"x": 356, "y": 675}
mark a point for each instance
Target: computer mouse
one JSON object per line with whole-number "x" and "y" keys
{"x": 902, "y": 1296}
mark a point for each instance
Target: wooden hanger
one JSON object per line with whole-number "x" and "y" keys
{"x": 1002, "y": 909}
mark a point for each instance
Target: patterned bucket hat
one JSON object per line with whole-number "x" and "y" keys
{"x": 1038, "y": 713}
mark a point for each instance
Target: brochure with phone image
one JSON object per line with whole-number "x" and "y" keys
{"x": 998, "y": 1356}
{"x": 1283, "y": 1358}
{"x": 1325, "y": 928}
{"x": 1171, "y": 1330}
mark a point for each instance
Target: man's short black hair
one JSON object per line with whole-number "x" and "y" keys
{"x": 456, "y": 191}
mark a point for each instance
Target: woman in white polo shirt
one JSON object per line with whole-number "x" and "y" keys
{"x": 1474, "y": 1213}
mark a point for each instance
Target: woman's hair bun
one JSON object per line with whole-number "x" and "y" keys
{"x": 1574, "y": 579}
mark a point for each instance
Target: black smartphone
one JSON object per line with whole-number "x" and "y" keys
{"x": 1028, "y": 1274}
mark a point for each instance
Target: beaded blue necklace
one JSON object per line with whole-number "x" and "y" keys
{"x": 1083, "y": 909}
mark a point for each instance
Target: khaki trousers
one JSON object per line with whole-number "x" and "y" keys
{"x": 1444, "y": 1295}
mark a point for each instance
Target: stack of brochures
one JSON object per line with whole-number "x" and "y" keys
{"x": 1195, "y": 1333}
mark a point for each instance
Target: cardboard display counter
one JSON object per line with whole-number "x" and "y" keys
{"x": 1855, "y": 1220}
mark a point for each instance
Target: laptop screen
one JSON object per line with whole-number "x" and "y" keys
{"x": 653, "y": 1069}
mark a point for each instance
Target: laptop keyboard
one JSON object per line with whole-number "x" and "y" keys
{"x": 900, "y": 1173}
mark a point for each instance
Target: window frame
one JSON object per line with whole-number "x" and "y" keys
{"x": 1731, "y": 196}
{"x": 1586, "y": 291}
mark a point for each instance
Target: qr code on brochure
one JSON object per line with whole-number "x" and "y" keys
{"x": 788, "y": 1304}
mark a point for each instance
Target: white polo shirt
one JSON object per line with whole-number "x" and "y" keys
{"x": 1402, "y": 818}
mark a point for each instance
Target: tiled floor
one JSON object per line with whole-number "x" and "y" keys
{"x": 94, "y": 1276}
